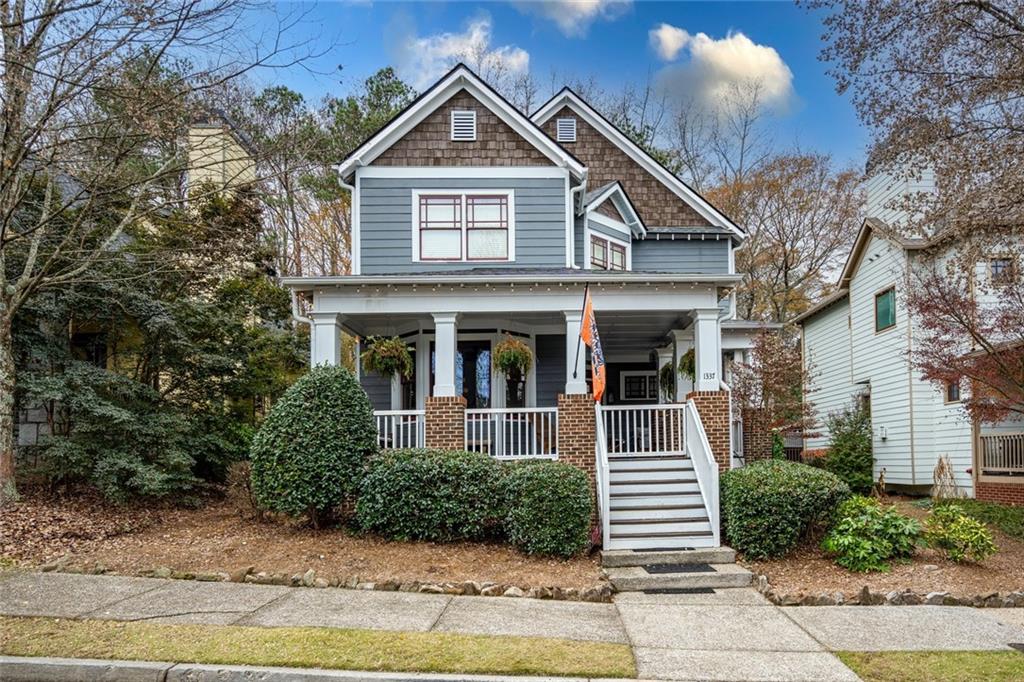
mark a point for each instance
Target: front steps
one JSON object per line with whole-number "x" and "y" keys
{"x": 710, "y": 568}
{"x": 655, "y": 502}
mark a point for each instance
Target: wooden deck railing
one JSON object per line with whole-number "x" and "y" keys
{"x": 1002, "y": 453}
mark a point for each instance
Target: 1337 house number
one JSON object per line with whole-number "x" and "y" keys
{"x": 710, "y": 375}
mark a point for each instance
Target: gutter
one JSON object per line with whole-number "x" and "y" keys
{"x": 582, "y": 277}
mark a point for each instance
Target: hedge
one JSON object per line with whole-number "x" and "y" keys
{"x": 549, "y": 508}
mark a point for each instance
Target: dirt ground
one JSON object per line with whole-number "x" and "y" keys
{"x": 809, "y": 571}
{"x": 224, "y": 535}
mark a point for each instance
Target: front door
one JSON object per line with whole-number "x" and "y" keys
{"x": 472, "y": 372}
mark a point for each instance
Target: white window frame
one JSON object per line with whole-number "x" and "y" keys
{"x": 451, "y": 124}
{"x": 649, "y": 374}
{"x": 587, "y": 255}
{"x": 558, "y": 129}
{"x": 510, "y": 196}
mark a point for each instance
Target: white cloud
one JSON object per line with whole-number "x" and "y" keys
{"x": 667, "y": 40}
{"x": 574, "y": 17}
{"x": 421, "y": 60}
{"x": 714, "y": 67}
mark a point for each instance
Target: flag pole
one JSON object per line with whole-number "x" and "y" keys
{"x": 579, "y": 337}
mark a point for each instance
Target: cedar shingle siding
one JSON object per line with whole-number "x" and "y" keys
{"x": 607, "y": 208}
{"x": 430, "y": 144}
{"x": 657, "y": 205}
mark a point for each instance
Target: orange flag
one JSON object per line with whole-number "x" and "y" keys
{"x": 588, "y": 332}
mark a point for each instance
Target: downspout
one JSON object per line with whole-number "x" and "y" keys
{"x": 352, "y": 208}
{"x": 572, "y": 226}
{"x": 295, "y": 312}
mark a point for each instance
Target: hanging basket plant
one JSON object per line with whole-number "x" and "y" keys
{"x": 667, "y": 380}
{"x": 387, "y": 356}
{"x": 512, "y": 358}
{"x": 686, "y": 365}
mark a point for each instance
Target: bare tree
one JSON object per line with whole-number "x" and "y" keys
{"x": 86, "y": 94}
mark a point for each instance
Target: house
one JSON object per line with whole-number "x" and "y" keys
{"x": 473, "y": 222}
{"x": 858, "y": 344}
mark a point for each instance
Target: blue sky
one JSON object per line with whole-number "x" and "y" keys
{"x": 696, "y": 47}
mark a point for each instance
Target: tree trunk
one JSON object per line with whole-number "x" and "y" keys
{"x": 8, "y": 491}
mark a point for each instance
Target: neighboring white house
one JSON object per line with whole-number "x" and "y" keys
{"x": 858, "y": 343}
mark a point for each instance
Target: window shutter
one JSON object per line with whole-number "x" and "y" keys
{"x": 464, "y": 126}
{"x": 565, "y": 130}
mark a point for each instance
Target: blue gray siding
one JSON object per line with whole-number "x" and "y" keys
{"x": 696, "y": 256}
{"x": 550, "y": 368}
{"x": 609, "y": 232}
{"x": 378, "y": 388}
{"x": 386, "y": 222}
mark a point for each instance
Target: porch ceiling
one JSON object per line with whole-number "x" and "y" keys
{"x": 632, "y": 332}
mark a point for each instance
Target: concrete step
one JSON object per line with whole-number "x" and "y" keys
{"x": 710, "y": 555}
{"x": 658, "y": 510}
{"x": 670, "y": 543}
{"x": 635, "y": 578}
{"x": 661, "y": 527}
{"x": 645, "y": 488}
{"x": 660, "y": 474}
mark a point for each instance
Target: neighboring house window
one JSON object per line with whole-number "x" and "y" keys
{"x": 885, "y": 309}
{"x": 463, "y": 126}
{"x": 1001, "y": 270}
{"x": 565, "y": 129}
{"x": 953, "y": 392}
{"x": 463, "y": 227}
{"x": 606, "y": 254}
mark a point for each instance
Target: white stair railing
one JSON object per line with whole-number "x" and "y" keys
{"x": 603, "y": 476}
{"x": 513, "y": 432}
{"x": 704, "y": 465}
{"x": 397, "y": 429}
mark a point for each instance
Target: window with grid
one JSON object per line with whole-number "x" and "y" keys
{"x": 1001, "y": 270}
{"x": 606, "y": 254}
{"x": 464, "y": 227}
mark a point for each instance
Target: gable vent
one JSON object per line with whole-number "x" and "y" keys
{"x": 464, "y": 126}
{"x": 565, "y": 130}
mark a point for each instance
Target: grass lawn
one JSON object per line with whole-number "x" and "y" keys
{"x": 314, "y": 648}
{"x": 936, "y": 666}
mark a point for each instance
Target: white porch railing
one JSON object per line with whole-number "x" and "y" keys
{"x": 642, "y": 429}
{"x": 513, "y": 432}
{"x": 398, "y": 429}
{"x": 704, "y": 465}
{"x": 603, "y": 476}
{"x": 1002, "y": 453}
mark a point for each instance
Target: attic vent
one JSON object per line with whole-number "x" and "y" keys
{"x": 464, "y": 126}
{"x": 566, "y": 130}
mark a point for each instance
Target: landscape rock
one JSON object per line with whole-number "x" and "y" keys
{"x": 992, "y": 600}
{"x": 366, "y": 586}
{"x": 825, "y": 599}
{"x": 162, "y": 572}
{"x": 513, "y": 592}
{"x": 387, "y": 586}
{"x": 309, "y": 578}
{"x": 412, "y": 586}
{"x": 762, "y": 584}
{"x": 471, "y": 587}
{"x": 1015, "y": 599}
{"x": 598, "y": 593}
{"x": 492, "y": 590}
{"x": 930, "y": 567}
{"x": 210, "y": 577}
{"x": 788, "y": 600}
{"x": 352, "y": 582}
{"x": 936, "y": 598}
{"x": 911, "y": 598}
{"x": 320, "y": 582}
{"x": 431, "y": 589}
{"x": 238, "y": 575}
{"x": 296, "y": 580}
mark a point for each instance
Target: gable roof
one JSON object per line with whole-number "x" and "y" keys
{"x": 566, "y": 97}
{"x": 616, "y": 193}
{"x": 461, "y": 77}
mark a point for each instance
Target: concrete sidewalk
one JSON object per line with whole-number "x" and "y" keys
{"x": 732, "y": 634}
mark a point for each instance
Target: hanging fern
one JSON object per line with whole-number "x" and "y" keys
{"x": 667, "y": 380}
{"x": 387, "y": 356}
{"x": 687, "y": 365}
{"x": 512, "y": 357}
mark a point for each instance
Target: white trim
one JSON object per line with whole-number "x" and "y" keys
{"x": 463, "y": 279}
{"x": 588, "y": 256}
{"x": 622, "y": 202}
{"x": 570, "y": 135}
{"x": 611, "y": 223}
{"x": 414, "y": 223}
{"x": 451, "y": 125}
{"x": 569, "y": 224}
{"x": 567, "y": 98}
{"x": 459, "y": 78}
{"x": 433, "y": 172}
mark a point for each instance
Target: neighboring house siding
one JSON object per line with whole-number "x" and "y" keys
{"x": 550, "y": 370}
{"x": 378, "y": 388}
{"x": 216, "y": 157}
{"x": 657, "y": 205}
{"x": 429, "y": 143}
{"x": 884, "y": 191}
{"x": 696, "y": 256}
{"x": 827, "y": 356}
{"x": 386, "y": 229}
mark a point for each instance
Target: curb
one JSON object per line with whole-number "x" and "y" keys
{"x": 31, "y": 669}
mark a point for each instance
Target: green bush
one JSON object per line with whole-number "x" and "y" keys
{"x": 961, "y": 537}
{"x": 768, "y": 506}
{"x": 549, "y": 508}
{"x": 312, "y": 448}
{"x": 866, "y": 535}
{"x": 431, "y": 495}
{"x": 850, "y": 456}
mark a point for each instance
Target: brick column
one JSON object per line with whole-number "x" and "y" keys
{"x": 757, "y": 437}
{"x": 713, "y": 408}
{"x": 445, "y": 422}
{"x": 577, "y": 432}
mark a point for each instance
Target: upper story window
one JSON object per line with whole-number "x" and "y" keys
{"x": 953, "y": 392}
{"x": 885, "y": 309}
{"x": 606, "y": 254}
{"x": 463, "y": 125}
{"x": 1001, "y": 270}
{"x": 463, "y": 227}
{"x": 565, "y": 130}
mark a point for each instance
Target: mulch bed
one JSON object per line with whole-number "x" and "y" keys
{"x": 224, "y": 535}
{"x": 809, "y": 571}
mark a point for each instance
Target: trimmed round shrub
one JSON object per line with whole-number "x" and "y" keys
{"x": 549, "y": 508}
{"x": 960, "y": 536}
{"x": 769, "y": 506}
{"x": 311, "y": 451}
{"x": 425, "y": 494}
{"x": 867, "y": 535}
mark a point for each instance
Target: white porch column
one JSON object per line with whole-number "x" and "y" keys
{"x": 707, "y": 343}
{"x": 422, "y": 370}
{"x": 575, "y": 354}
{"x": 682, "y": 342}
{"x": 445, "y": 333}
{"x": 325, "y": 339}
